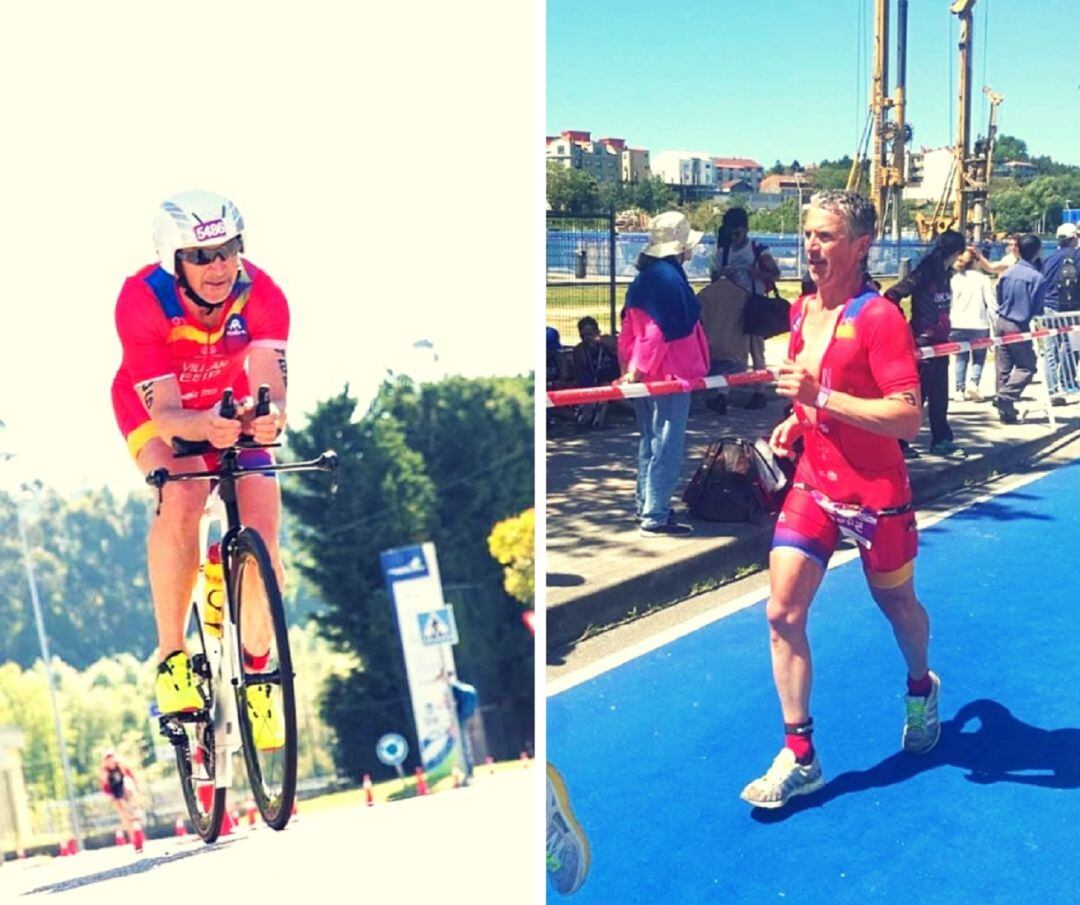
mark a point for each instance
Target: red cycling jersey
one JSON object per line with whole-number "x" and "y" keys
{"x": 870, "y": 355}
{"x": 160, "y": 340}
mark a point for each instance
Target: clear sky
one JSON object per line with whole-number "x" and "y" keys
{"x": 789, "y": 79}
{"x": 347, "y": 136}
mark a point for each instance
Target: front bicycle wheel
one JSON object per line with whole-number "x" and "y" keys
{"x": 192, "y": 738}
{"x": 266, "y": 701}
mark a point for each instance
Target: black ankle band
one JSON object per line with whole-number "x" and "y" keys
{"x": 806, "y": 728}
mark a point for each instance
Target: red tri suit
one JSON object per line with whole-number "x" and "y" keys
{"x": 851, "y": 481}
{"x": 160, "y": 340}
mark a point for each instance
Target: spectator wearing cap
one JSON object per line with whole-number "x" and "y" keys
{"x": 1057, "y": 347}
{"x": 1020, "y": 292}
{"x": 662, "y": 339}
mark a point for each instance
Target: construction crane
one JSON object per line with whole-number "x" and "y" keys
{"x": 963, "y": 205}
{"x": 886, "y": 129}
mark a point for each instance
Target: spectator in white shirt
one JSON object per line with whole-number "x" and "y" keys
{"x": 973, "y": 306}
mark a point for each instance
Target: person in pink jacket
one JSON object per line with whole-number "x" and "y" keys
{"x": 662, "y": 339}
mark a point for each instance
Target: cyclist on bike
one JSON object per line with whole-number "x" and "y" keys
{"x": 119, "y": 784}
{"x": 200, "y": 320}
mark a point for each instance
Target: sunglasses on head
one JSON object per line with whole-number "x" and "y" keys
{"x": 203, "y": 256}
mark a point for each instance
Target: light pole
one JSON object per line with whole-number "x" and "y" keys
{"x": 43, "y": 640}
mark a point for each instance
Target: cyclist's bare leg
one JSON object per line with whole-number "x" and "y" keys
{"x": 172, "y": 546}
{"x": 125, "y": 816}
{"x": 260, "y": 507}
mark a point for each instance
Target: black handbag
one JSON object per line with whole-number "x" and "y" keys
{"x": 766, "y": 315}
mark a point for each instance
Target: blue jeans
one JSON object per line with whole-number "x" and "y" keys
{"x": 978, "y": 357}
{"x": 1059, "y": 376}
{"x": 662, "y": 421}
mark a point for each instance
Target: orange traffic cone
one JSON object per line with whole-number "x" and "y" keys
{"x": 63, "y": 853}
{"x": 421, "y": 781}
{"x": 227, "y": 822}
{"x": 249, "y": 806}
{"x": 179, "y": 828}
{"x": 137, "y": 836}
{"x": 120, "y": 837}
{"x": 295, "y": 808}
{"x": 369, "y": 794}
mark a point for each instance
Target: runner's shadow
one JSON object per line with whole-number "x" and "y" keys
{"x": 984, "y": 739}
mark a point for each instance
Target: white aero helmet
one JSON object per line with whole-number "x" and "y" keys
{"x": 191, "y": 219}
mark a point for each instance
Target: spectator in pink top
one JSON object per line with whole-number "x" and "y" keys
{"x": 662, "y": 339}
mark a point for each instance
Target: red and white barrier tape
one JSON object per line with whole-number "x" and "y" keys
{"x": 585, "y": 395}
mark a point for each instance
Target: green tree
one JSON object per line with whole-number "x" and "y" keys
{"x": 572, "y": 191}
{"x": 1007, "y": 147}
{"x": 442, "y": 463}
{"x": 653, "y": 195}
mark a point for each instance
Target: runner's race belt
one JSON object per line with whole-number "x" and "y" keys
{"x": 856, "y": 523}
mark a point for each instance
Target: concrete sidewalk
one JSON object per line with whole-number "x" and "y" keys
{"x": 601, "y": 572}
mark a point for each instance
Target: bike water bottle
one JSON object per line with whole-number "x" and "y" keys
{"x": 214, "y": 583}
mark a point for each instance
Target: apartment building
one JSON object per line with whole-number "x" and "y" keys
{"x": 729, "y": 169}
{"x": 576, "y": 150}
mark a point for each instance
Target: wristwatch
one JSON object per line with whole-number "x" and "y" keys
{"x": 822, "y": 398}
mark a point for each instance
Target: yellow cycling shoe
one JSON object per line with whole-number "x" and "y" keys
{"x": 175, "y": 687}
{"x": 266, "y": 717}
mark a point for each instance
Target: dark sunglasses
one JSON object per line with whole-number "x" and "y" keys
{"x": 203, "y": 256}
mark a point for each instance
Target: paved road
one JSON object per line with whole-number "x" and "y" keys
{"x": 474, "y": 846}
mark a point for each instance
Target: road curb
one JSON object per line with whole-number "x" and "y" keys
{"x": 571, "y": 620}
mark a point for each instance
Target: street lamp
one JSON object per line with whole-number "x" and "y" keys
{"x": 43, "y": 640}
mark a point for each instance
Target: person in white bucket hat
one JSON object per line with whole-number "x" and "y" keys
{"x": 662, "y": 339}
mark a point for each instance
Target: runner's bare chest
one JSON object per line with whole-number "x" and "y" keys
{"x": 818, "y": 327}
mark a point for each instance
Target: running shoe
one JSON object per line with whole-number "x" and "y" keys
{"x": 266, "y": 717}
{"x": 972, "y": 394}
{"x": 174, "y": 687}
{"x": 948, "y": 449}
{"x": 671, "y": 528}
{"x": 567, "y": 847}
{"x": 785, "y": 779}
{"x": 922, "y": 727}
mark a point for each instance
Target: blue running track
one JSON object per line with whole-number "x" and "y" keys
{"x": 656, "y": 751}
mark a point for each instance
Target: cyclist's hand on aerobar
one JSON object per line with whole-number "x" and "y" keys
{"x": 797, "y": 383}
{"x": 221, "y": 432}
{"x": 262, "y": 428}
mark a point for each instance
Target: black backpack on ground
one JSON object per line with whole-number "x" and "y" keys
{"x": 737, "y": 481}
{"x": 1068, "y": 285}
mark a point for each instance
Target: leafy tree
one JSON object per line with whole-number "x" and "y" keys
{"x": 572, "y": 191}
{"x": 782, "y": 219}
{"x": 653, "y": 195}
{"x": 831, "y": 176}
{"x": 1007, "y": 147}
{"x": 513, "y": 544}
{"x": 776, "y": 169}
{"x": 440, "y": 463}
{"x": 1014, "y": 211}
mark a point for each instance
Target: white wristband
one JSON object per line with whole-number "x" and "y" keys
{"x": 822, "y": 398}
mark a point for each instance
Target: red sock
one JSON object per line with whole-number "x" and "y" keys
{"x": 920, "y": 687}
{"x": 799, "y": 738}
{"x": 254, "y": 663}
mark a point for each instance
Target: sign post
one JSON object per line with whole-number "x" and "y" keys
{"x": 428, "y": 632}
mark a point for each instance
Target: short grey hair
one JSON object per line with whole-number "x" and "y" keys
{"x": 856, "y": 209}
